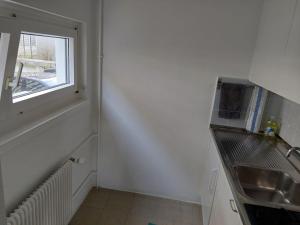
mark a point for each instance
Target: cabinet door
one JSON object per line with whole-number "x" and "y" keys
{"x": 210, "y": 179}
{"x": 291, "y": 89}
{"x": 2, "y": 206}
{"x": 275, "y": 64}
{"x": 224, "y": 209}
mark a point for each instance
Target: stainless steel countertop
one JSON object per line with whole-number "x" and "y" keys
{"x": 239, "y": 147}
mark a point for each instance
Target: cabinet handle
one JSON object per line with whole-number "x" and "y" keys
{"x": 233, "y": 206}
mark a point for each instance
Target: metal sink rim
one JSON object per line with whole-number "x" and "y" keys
{"x": 241, "y": 187}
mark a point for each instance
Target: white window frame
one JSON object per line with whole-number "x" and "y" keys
{"x": 15, "y": 19}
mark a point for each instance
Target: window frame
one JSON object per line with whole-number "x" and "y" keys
{"x": 16, "y": 19}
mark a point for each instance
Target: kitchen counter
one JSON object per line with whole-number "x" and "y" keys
{"x": 240, "y": 150}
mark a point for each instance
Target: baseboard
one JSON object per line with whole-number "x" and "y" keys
{"x": 150, "y": 194}
{"x": 81, "y": 193}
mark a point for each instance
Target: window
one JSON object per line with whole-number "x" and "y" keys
{"x": 38, "y": 59}
{"x": 42, "y": 64}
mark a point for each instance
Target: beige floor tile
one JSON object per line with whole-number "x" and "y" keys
{"x": 107, "y": 207}
{"x": 97, "y": 198}
{"x": 86, "y": 216}
{"x": 143, "y": 207}
{"x": 118, "y": 198}
{"x": 145, "y": 201}
{"x": 171, "y": 214}
{"x": 142, "y": 213}
{"x": 190, "y": 214}
{"x": 167, "y": 211}
{"x": 163, "y": 222}
{"x": 132, "y": 220}
{"x": 73, "y": 222}
{"x": 114, "y": 216}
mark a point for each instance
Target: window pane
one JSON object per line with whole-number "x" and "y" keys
{"x": 42, "y": 64}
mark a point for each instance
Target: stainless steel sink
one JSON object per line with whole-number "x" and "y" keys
{"x": 268, "y": 185}
{"x": 258, "y": 171}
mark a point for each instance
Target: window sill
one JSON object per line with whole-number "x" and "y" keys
{"x": 9, "y": 141}
{"x": 26, "y": 97}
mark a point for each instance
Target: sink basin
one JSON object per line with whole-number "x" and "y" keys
{"x": 268, "y": 185}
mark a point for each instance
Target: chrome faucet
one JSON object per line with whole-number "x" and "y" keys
{"x": 292, "y": 150}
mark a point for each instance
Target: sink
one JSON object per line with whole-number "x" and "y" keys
{"x": 258, "y": 170}
{"x": 268, "y": 185}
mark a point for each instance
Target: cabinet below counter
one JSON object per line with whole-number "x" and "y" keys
{"x": 224, "y": 209}
{"x": 219, "y": 204}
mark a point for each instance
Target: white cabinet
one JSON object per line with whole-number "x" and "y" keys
{"x": 276, "y": 60}
{"x": 224, "y": 210}
{"x": 2, "y": 206}
{"x": 210, "y": 179}
{"x": 217, "y": 199}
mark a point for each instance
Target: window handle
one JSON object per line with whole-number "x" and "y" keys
{"x": 233, "y": 206}
{"x": 18, "y": 78}
{"x": 14, "y": 83}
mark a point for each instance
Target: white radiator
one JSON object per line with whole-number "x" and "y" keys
{"x": 50, "y": 204}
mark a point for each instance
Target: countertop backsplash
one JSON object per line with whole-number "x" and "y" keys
{"x": 288, "y": 114}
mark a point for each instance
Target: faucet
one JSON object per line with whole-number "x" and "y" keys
{"x": 292, "y": 150}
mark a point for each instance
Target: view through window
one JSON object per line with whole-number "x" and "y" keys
{"x": 42, "y": 64}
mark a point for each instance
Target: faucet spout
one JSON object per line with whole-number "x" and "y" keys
{"x": 292, "y": 150}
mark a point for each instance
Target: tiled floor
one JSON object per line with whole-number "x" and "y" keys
{"x": 107, "y": 207}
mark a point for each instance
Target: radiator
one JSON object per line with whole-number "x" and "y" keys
{"x": 50, "y": 204}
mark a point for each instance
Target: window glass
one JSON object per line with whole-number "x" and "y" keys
{"x": 42, "y": 64}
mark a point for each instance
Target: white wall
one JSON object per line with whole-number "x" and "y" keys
{"x": 161, "y": 60}
{"x": 27, "y": 161}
